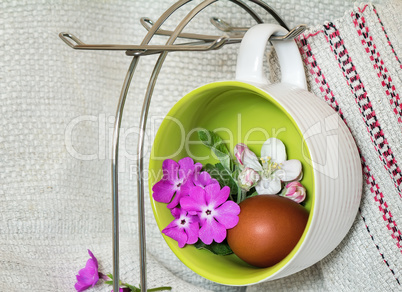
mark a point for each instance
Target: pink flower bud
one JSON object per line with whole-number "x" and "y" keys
{"x": 295, "y": 191}
{"x": 238, "y": 152}
{"x": 248, "y": 178}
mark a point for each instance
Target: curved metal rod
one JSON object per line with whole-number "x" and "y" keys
{"x": 115, "y": 170}
{"x": 250, "y": 11}
{"x": 147, "y": 23}
{"x": 271, "y": 11}
{"x": 115, "y": 159}
{"x": 143, "y": 122}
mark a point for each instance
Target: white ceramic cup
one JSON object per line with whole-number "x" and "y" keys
{"x": 330, "y": 157}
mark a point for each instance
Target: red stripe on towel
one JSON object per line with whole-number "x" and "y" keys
{"x": 315, "y": 70}
{"x": 386, "y": 35}
{"x": 382, "y": 205}
{"x": 378, "y": 248}
{"x": 378, "y": 63}
{"x": 373, "y": 126}
{"x": 305, "y": 37}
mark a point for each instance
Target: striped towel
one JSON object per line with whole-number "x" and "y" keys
{"x": 354, "y": 65}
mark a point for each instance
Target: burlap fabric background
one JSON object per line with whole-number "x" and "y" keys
{"x": 57, "y": 108}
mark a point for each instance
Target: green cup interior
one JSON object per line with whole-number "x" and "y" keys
{"x": 239, "y": 113}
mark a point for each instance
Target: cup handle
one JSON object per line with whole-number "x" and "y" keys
{"x": 251, "y": 56}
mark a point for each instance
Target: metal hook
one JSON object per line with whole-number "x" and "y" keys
{"x": 194, "y": 46}
{"x": 147, "y": 23}
{"x": 226, "y": 27}
{"x": 145, "y": 49}
{"x": 235, "y": 34}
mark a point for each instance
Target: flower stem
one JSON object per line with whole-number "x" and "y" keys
{"x": 243, "y": 195}
{"x": 103, "y": 276}
{"x": 163, "y": 288}
{"x": 239, "y": 195}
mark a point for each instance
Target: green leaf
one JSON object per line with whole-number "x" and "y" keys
{"x": 109, "y": 282}
{"x": 164, "y": 288}
{"x": 229, "y": 180}
{"x": 110, "y": 276}
{"x": 223, "y": 177}
{"x": 132, "y": 288}
{"x": 213, "y": 141}
{"x": 222, "y": 248}
{"x": 252, "y": 194}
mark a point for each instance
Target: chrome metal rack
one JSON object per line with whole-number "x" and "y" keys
{"x": 198, "y": 42}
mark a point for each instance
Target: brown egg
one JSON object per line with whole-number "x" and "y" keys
{"x": 269, "y": 228}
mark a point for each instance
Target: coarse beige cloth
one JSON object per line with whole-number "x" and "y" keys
{"x": 57, "y": 107}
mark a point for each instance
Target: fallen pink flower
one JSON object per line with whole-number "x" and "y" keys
{"x": 88, "y": 276}
{"x": 125, "y": 289}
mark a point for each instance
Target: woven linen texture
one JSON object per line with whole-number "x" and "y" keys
{"x": 58, "y": 106}
{"x": 353, "y": 64}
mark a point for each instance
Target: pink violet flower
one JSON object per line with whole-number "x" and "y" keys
{"x": 203, "y": 179}
{"x": 216, "y": 213}
{"x": 175, "y": 212}
{"x": 295, "y": 191}
{"x": 177, "y": 179}
{"x": 183, "y": 229}
{"x": 88, "y": 276}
